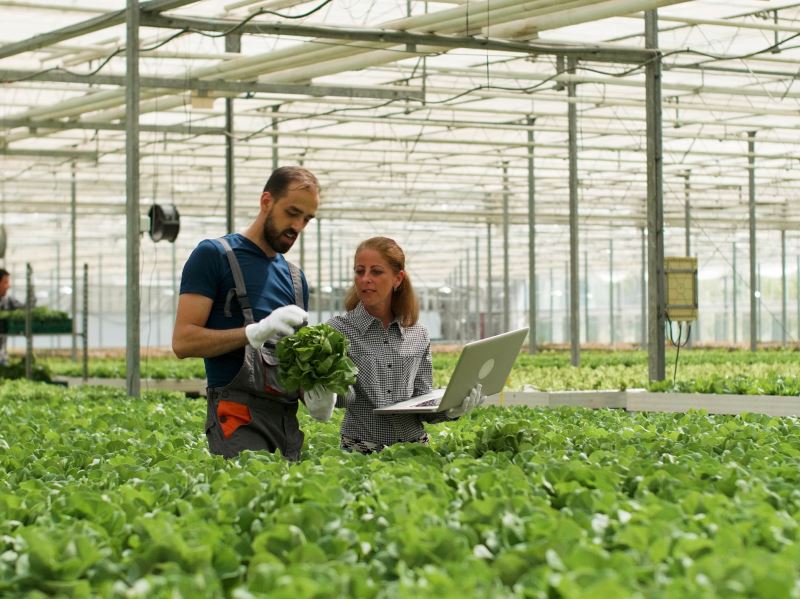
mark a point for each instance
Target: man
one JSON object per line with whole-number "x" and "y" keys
{"x": 238, "y": 293}
{"x": 6, "y": 303}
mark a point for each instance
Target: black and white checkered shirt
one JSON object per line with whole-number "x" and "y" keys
{"x": 394, "y": 364}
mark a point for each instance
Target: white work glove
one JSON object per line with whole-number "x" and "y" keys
{"x": 473, "y": 400}
{"x": 279, "y": 323}
{"x": 320, "y": 403}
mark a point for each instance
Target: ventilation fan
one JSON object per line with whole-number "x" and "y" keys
{"x": 165, "y": 222}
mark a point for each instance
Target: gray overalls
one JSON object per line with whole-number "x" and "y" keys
{"x": 253, "y": 411}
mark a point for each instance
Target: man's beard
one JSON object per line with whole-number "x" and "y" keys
{"x": 273, "y": 237}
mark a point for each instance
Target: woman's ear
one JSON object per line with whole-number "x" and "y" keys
{"x": 398, "y": 280}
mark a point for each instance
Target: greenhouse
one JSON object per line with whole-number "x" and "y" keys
{"x": 597, "y": 203}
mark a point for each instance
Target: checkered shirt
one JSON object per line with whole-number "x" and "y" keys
{"x": 394, "y": 364}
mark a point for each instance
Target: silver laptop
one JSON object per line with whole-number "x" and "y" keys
{"x": 487, "y": 362}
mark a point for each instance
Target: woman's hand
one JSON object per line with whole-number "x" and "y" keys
{"x": 471, "y": 401}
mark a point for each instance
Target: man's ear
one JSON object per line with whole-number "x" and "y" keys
{"x": 266, "y": 200}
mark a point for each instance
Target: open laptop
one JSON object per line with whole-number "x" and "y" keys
{"x": 487, "y": 361}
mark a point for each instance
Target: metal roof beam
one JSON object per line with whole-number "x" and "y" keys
{"x": 34, "y": 125}
{"x": 97, "y": 23}
{"x": 376, "y": 92}
{"x": 77, "y": 154}
{"x": 593, "y": 52}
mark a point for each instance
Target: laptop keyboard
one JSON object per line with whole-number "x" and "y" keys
{"x": 430, "y": 402}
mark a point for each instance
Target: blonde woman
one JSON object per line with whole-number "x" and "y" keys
{"x": 391, "y": 349}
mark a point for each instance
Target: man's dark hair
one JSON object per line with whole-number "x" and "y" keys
{"x": 295, "y": 177}
{"x": 3, "y": 273}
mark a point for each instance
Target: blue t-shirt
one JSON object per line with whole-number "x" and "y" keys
{"x": 268, "y": 282}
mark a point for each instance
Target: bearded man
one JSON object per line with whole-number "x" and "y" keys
{"x": 238, "y": 296}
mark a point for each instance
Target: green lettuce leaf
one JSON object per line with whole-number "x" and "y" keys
{"x": 316, "y": 356}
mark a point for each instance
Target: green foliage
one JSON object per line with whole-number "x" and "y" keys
{"x": 15, "y": 369}
{"x": 315, "y": 356}
{"x": 156, "y": 368}
{"x": 106, "y": 496}
{"x": 40, "y": 314}
{"x": 767, "y": 372}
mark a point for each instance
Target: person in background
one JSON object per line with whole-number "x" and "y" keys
{"x": 391, "y": 350}
{"x": 7, "y": 302}
{"x": 237, "y": 294}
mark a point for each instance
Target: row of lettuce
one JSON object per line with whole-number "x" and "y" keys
{"x": 767, "y": 372}
{"x": 102, "y": 496}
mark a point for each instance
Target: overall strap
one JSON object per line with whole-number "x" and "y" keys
{"x": 238, "y": 279}
{"x": 297, "y": 283}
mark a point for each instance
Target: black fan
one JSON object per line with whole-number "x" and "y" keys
{"x": 165, "y": 222}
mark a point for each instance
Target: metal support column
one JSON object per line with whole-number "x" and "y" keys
{"x": 73, "y": 242}
{"x": 552, "y": 313}
{"x": 28, "y": 320}
{"x": 489, "y": 298}
{"x": 759, "y": 301}
{"x": 233, "y": 43}
{"x": 478, "y": 332}
{"x": 687, "y": 225}
{"x": 132, "y": 322}
{"x": 275, "y": 136}
{"x": 574, "y": 275}
{"x": 784, "y": 323}
{"x": 734, "y": 293}
{"x": 175, "y": 289}
{"x": 331, "y": 263}
{"x": 467, "y": 294}
{"x": 655, "y": 207}
{"x": 319, "y": 270}
{"x": 751, "y": 171}
{"x": 586, "y": 294}
{"x": 302, "y": 238}
{"x": 85, "y": 329}
{"x": 612, "y": 332}
{"x": 341, "y": 279}
{"x": 724, "y": 310}
{"x": 532, "y": 300}
{"x": 100, "y": 306}
{"x": 567, "y": 304}
{"x": 506, "y": 267}
{"x": 460, "y": 292}
{"x": 643, "y": 289}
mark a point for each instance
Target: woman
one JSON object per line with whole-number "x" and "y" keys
{"x": 392, "y": 352}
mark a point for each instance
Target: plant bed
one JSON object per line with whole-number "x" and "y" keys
{"x": 103, "y": 496}
{"x": 43, "y": 321}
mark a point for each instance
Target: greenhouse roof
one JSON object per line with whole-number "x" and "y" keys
{"x": 417, "y": 117}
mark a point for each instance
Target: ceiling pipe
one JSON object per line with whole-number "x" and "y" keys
{"x": 531, "y": 25}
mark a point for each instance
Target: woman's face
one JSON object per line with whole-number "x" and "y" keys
{"x": 375, "y": 280}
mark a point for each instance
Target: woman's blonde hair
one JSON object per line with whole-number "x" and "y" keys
{"x": 405, "y": 306}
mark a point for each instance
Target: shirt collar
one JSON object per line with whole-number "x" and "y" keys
{"x": 363, "y": 320}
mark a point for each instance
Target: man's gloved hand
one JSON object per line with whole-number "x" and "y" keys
{"x": 280, "y": 323}
{"x": 320, "y": 403}
{"x": 473, "y": 400}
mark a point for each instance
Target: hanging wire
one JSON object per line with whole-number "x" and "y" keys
{"x": 679, "y": 342}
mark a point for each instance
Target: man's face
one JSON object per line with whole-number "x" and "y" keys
{"x": 5, "y": 283}
{"x": 287, "y": 217}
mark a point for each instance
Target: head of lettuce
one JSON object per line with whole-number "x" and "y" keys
{"x": 316, "y": 357}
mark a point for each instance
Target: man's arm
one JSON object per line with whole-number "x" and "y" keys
{"x": 192, "y": 339}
